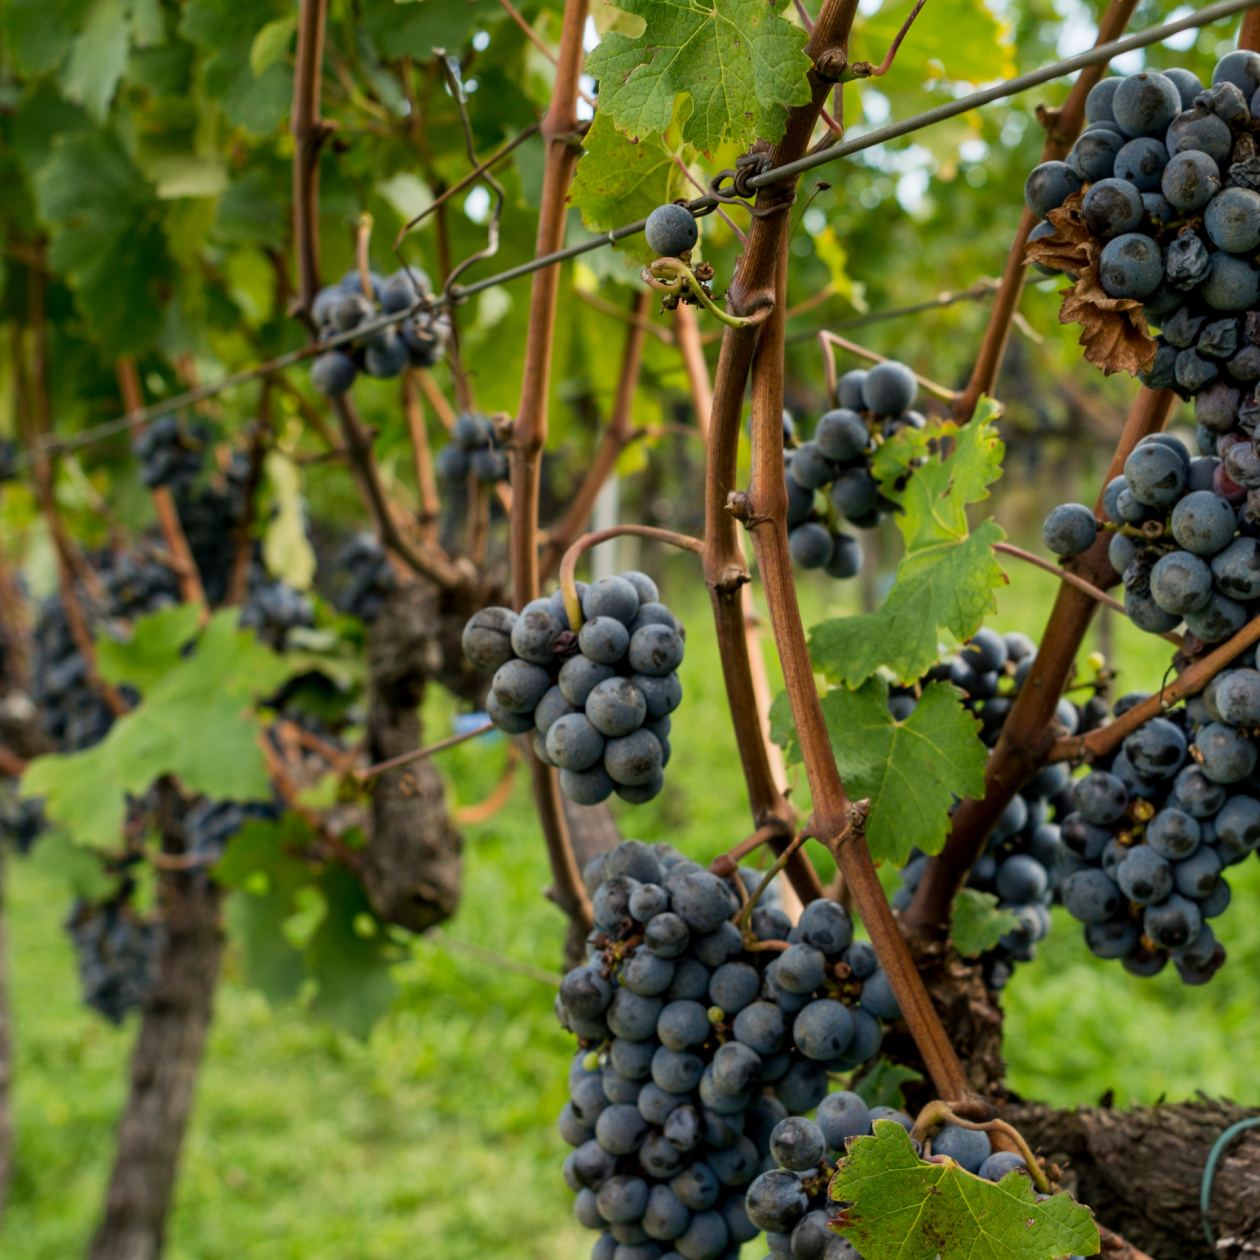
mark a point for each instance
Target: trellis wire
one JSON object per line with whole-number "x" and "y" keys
{"x": 963, "y": 105}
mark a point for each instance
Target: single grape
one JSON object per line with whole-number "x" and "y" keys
{"x": 1198, "y": 876}
{"x": 1173, "y": 923}
{"x": 889, "y": 389}
{"x": 846, "y": 557}
{"x": 1021, "y": 879}
{"x": 1203, "y": 523}
{"x": 1112, "y": 938}
{"x": 811, "y": 1236}
{"x": 696, "y": 1186}
{"x": 655, "y": 650}
{"x": 1113, "y": 207}
{"x": 1157, "y": 749}
{"x": 676, "y": 1071}
{"x": 1047, "y": 187}
{"x": 1100, "y": 798}
{"x": 580, "y": 676}
{"x": 701, "y": 900}
{"x": 1044, "y": 229}
{"x": 646, "y": 973}
{"x": 671, "y": 230}
{"x": 841, "y": 435}
{"x": 1093, "y": 156}
{"x": 603, "y": 639}
{"x": 666, "y": 1216}
{"x": 810, "y": 468}
{"x": 733, "y": 986}
{"x": 999, "y": 1164}
{"x": 1098, "y": 104}
{"x": 683, "y": 1024}
{"x": 487, "y": 638}
{"x": 1238, "y": 827}
{"x": 518, "y": 686}
{"x": 854, "y": 493}
{"x": 705, "y": 1237}
{"x": 1233, "y": 283}
{"x": 1181, "y": 583}
{"x": 1090, "y": 896}
{"x": 333, "y": 373}
{"x": 810, "y": 545}
{"x": 714, "y": 948}
{"x": 1070, "y": 530}
{"x": 534, "y": 636}
{"x": 1173, "y": 834}
{"x": 1190, "y": 180}
{"x": 1220, "y": 618}
{"x": 586, "y": 787}
{"x": 1145, "y": 103}
{"x": 351, "y": 310}
{"x": 663, "y": 695}
{"x": 387, "y": 355}
{"x": 967, "y": 1147}
{"x": 823, "y": 1029}
{"x": 800, "y": 969}
{"x": 1144, "y": 876}
{"x": 802, "y": 1087}
{"x": 574, "y": 743}
{"x": 615, "y": 708}
{"x": 1187, "y": 83}
{"x": 1121, "y": 552}
{"x": 1141, "y": 162}
{"x": 622, "y": 1198}
{"x": 878, "y": 999}
{"x": 761, "y": 1027}
{"x": 1240, "y": 68}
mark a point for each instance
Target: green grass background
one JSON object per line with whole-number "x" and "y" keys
{"x": 436, "y": 1137}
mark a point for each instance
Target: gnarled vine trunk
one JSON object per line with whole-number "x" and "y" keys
{"x": 166, "y": 1057}
{"x": 1141, "y": 1172}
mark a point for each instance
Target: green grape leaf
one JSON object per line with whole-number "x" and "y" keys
{"x": 903, "y": 1208}
{"x": 107, "y": 239}
{"x": 977, "y": 923}
{"x": 881, "y": 1086}
{"x": 194, "y": 722}
{"x": 351, "y": 968}
{"x": 155, "y": 647}
{"x": 98, "y": 58}
{"x": 949, "y": 573}
{"x": 620, "y": 179}
{"x": 910, "y": 770}
{"x": 258, "y": 864}
{"x": 741, "y": 63}
{"x": 41, "y": 32}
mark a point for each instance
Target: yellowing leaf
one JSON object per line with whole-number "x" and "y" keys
{"x": 739, "y": 61}
{"x": 287, "y": 552}
{"x": 836, "y": 257}
{"x": 903, "y": 1208}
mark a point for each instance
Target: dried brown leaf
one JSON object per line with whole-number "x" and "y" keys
{"x": 1070, "y": 248}
{"x": 1114, "y": 330}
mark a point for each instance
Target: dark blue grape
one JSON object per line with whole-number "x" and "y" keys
{"x": 655, "y": 650}
{"x": 841, "y": 435}
{"x": 714, "y": 948}
{"x": 823, "y": 1029}
{"x": 1173, "y": 834}
{"x": 604, "y": 639}
{"x": 1070, "y": 529}
{"x": 622, "y": 1198}
{"x": 1113, "y": 207}
{"x": 663, "y": 695}
{"x": 878, "y": 998}
{"x": 1238, "y": 827}
{"x": 1198, "y": 876}
{"x": 1190, "y": 180}
{"x": 1145, "y": 103}
{"x": 671, "y": 230}
{"x": 1144, "y": 876}
{"x": 1174, "y": 923}
{"x": 810, "y": 545}
{"x": 579, "y": 677}
{"x": 1203, "y": 523}
{"x": 333, "y": 373}
{"x": 1098, "y": 104}
{"x": 1242, "y": 69}
{"x": 1047, "y": 187}
{"x": 1090, "y": 896}
{"x": 586, "y": 787}
{"x": 1131, "y": 266}
{"x": 1113, "y": 938}
{"x": 1180, "y": 582}
{"x": 1157, "y": 749}
{"x": 1187, "y": 83}
{"x": 1044, "y": 229}
{"x": 1233, "y": 284}
{"x": 666, "y": 1216}
{"x": 999, "y": 1164}
{"x": 1093, "y": 156}
{"x": 696, "y": 1186}
{"x": 1220, "y": 618}
{"x": 967, "y": 1147}
{"x": 1141, "y": 162}
{"x": 889, "y": 388}
{"x": 633, "y": 1017}
{"x": 657, "y": 1104}
{"x": 810, "y": 469}
{"x": 846, "y": 557}
{"x": 733, "y": 986}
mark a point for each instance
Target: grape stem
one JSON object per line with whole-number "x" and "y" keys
{"x": 1190, "y": 682}
{"x": 937, "y": 1112}
{"x": 568, "y": 583}
{"x": 826, "y": 340}
{"x": 750, "y": 904}
{"x": 1074, "y": 579}
{"x": 672, "y": 275}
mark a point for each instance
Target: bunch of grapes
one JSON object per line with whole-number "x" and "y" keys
{"x": 696, "y": 1049}
{"x": 1185, "y": 539}
{"x": 367, "y": 577}
{"x": 169, "y": 454}
{"x": 1024, "y": 861}
{"x": 474, "y": 448}
{"x": 1171, "y": 181}
{"x": 210, "y": 515}
{"x": 418, "y": 341}
{"x": 873, "y": 406}
{"x": 596, "y": 704}
{"x": 117, "y": 955}
{"x": 1154, "y": 827}
{"x": 790, "y": 1201}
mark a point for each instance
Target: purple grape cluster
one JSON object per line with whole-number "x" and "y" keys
{"x": 873, "y": 405}
{"x": 790, "y": 1202}
{"x": 117, "y": 953}
{"x": 474, "y": 448}
{"x": 1171, "y": 181}
{"x": 1155, "y": 825}
{"x": 1024, "y": 861}
{"x": 595, "y": 704}
{"x": 696, "y": 1051}
{"x": 1185, "y": 538}
{"x": 170, "y": 454}
{"x": 418, "y": 341}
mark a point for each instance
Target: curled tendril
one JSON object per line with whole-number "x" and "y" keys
{"x": 671, "y": 276}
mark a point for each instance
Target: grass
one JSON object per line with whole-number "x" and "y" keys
{"x": 438, "y": 1132}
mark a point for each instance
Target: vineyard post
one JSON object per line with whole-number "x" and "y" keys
{"x": 529, "y": 432}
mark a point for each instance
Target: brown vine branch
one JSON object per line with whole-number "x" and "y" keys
{"x": 617, "y": 436}
{"x": 1062, "y": 128}
{"x": 529, "y": 432}
{"x": 418, "y": 754}
{"x": 890, "y": 56}
{"x": 827, "y": 340}
{"x": 1189, "y": 682}
{"x": 606, "y": 307}
{"x": 1026, "y": 737}
{"x": 310, "y": 132}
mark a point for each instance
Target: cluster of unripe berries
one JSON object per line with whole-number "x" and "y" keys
{"x": 418, "y": 341}
{"x": 1172, "y": 186}
{"x": 698, "y": 1044}
{"x": 595, "y": 704}
{"x": 873, "y": 405}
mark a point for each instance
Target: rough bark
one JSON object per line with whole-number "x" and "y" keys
{"x": 1141, "y": 1170}
{"x": 411, "y": 864}
{"x": 166, "y": 1058}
